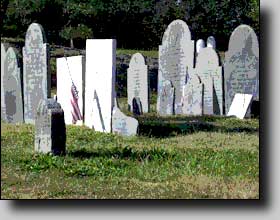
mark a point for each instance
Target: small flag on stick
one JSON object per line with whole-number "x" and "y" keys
{"x": 76, "y": 113}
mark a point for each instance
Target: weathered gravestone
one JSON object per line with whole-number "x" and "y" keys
{"x": 36, "y": 77}
{"x": 50, "y": 130}
{"x": 240, "y": 105}
{"x": 193, "y": 97}
{"x": 100, "y": 83}
{"x": 12, "y": 89}
{"x": 199, "y": 45}
{"x": 241, "y": 67}
{"x": 137, "y": 81}
{"x": 211, "y": 42}
{"x": 165, "y": 103}
{"x": 3, "y": 55}
{"x": 208, "y": 69}
{"x": 176, "y": 57}
{"x": 70, "y": 88}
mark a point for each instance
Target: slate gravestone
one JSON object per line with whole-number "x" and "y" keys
{"x": 137, "y": 81}
{"x": 137, "y": 106}
{"x": 12, "y": 88}
{"x": 70, "y": 87}
{"x": 36, "y": 78}
{"x": 100, "y": 83}
{"x": 3, "y": 107}
{"x": 193, "y": 97}
{"x": 176, "y": 59}
{"x": 240, "y": 106}
{"x": 199, "y": 45}
{"x": 50, "y": 130}
{"x": 165, "y": 102}
{"x": 211, "y": 42}
{"x": 208, "y": 69}
{"x": 241, "y": 66}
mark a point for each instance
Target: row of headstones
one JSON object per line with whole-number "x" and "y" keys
{"x": 79, "y": 84}
{"x": 196, "y": 85}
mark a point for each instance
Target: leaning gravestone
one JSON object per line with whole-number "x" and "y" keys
{"x": 241, "y": 67}
{"x": 50, "y": 130}
{"x": 70, "y": 88}
{"x": 36, "y": 78}
{"x": 12, "y": 87}
{"x": 3, "y": 55}
{"x": 211, "y": 42}
{"x": 176, "y": 60}
{"x": 100, "y": 83}
{"x": 193, "y": 97}
{"x": 199, "y": 45}
{"x": 137, "y": 81}
{"x": 208, "y": 69}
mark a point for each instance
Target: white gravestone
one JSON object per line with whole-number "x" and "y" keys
{"x": 199, "y": 45}
{"x": 137, "y": 81}
{"x": 100, "y": 83}
{"x": 211, "y": 42}
{"x": 176, "y": 61}
{"x": 241, "y": 66}
{"x": 207, "y": 68}
{"x": 240, "y": 105}
{"x": 12, "y": 87}
{"x": 3, "y": 55}
{"x": 36, "y": 77}
{"x": 70, "y": 89}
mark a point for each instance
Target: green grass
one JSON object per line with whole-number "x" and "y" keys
{"x": 198, "y": 164}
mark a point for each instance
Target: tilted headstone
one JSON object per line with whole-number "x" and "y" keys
{"x": 3, "y": 56}
{"x": 240, "y": 105}
{"x": 36, "y": 77}
{"x": 193, "y": 97}
{"x": 70, "y": 88}
{"x": 165, "y": 103}
{"x": 50, "y": 130}
{"x": 208, "y": 69}
{"x": 211, "y": 42}
{"x": 100, "y": 83}
{"x": 137, "y": 81}
{"x": 199, "y": 45}
{"x": 241, "y": 67}
{"x": 176, "y": 61}
{"x": 12, "y": 89}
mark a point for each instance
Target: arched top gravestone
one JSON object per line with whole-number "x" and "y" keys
{"x": 12, "y": 87}
{"x": 199, "y": 45}
{"x": 137, "y": 59}
{"x": 211, "y": 42}
{"x": 208, "y": 58}
{"x": 241, "y": 67}
{"x": 36, "y": 78}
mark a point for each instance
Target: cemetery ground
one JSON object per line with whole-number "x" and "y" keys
{"x": 174, "y": 157}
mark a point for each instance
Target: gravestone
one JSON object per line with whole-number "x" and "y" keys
{"x": 3, "y": 55}
{"x": 208, "y": 69}
{"x": 100, "y": 83}
{"x": 137, "y": 81}
{"x": 12, "y": 88}
{"x": 176, "y": 61}
{"x": 165, "y": 102}
{"x": 199, "y": 45}
{"x": 211, "y": 42}
{"x": 50, "y": 130}
{"x": 36, "y": 77}
{"x": 70, "y": 88}
{"x": 240, "y": 106}
{"x": 193, "y": 97}
{"x": 241, "y": 67}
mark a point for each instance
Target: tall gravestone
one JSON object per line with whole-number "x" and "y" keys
{"x": 241, "y": 66}
{"x": 211, "y": 42}
{"x": 3, "y": 56}
{"x": 137, "y": 82}
{"x": 70, "y": 87}
{"x": 12, "y": 87}
{"x": 100, "y": 83}
{"x": 176, "y": 59}
{"x": 36, "y": 77}
{"x": 199, "y": 45}
{"x": 208, "y": 69}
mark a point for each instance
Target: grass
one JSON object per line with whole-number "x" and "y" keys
{"x": 218, "y": 163}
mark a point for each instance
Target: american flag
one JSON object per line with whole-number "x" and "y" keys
{"x": 76, "y": 113}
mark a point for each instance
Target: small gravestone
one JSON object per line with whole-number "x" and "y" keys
{"x": 12, "y": 88}
{"x": 211, "y": 42}
{"x": 50, "y": 130}
{"x": 137, "y": 81}
{"x": 36, "y": 77}
{"x": 241, "y": 67}
{"x": 137, "y": 106}
{"x": 176, "y": 61}
{"x": 208, "y": 69}
{"x": 193, "y": 97}
{"x": 70, "y": 87}
{"x": 240, "y": 105}
{"x": 199, "y": 45}
{"x": 165, "y": 101}
{"x": 4, "y": 48}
